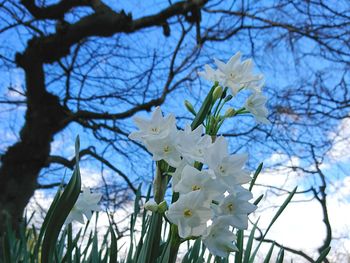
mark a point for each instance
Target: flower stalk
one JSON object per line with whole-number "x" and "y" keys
{"x": 175, "y": 242}
{"x": 201, "y": 167}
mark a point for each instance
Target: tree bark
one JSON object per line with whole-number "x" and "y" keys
{"x": 23, "y": 161}
{"x": 45, "y": 116}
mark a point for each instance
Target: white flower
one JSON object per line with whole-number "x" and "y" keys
{"x": 86, "y": 203}
{"x": 178, "y": 172}
{"x": 219, "y": 239}
{"x": 211, "y": 74}
{"x": 255, "y": 104}
{"x": 226, "y": 167}
{"x": 201, "y": 181}
{"x": 190, "y": 213}
{"x": 151, "y": 205}
{"x": 159, "y": 136}
{"x": 234, "y": 208}
{"x": 192, "y": 144}
{"x": 165, "y": 149}
{"x": 237, "y": 75}
{"x": 157, "y": 127}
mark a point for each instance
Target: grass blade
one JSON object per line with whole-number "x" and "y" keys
{"x": 250, "y": 243}
{"x": 280, "y": 256}
{"x": 240, "y": 243}
{"x": 279, "y": 212}
{"x": 323, "y": 255}
{"x": 255, "y": 176}
{"x": 269, "y": 254}
{"x": 61, "y": 210}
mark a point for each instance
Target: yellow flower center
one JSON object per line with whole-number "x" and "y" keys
{"x": 155, "y": 129}
{"x": 230, "y": 207}
{"x": 195, "y": 188}
{"x": 166, "y": 148}
{"x": 221, "y": 169}
{"x": 187, "y": 212}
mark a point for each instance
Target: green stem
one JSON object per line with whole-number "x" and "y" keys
{"x": 217, "y": 109}
{"x": 175, "y": 243}
{"x": 160, "y": 182}
{"x": 159, "y": 188}
{"x": 241, "y": 111}
{"x": 155, "y": 247}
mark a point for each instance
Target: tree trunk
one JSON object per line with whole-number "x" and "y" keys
{"x": 23, "y": 161}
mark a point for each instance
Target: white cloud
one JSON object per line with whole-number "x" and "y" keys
{"x": 300, "y": 226}
{"x": 340, "y": 150}
{"x": 90, "y": 177}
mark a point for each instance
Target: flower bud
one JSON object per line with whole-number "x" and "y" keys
{"x": 217, "y": 93}
{"x": 230, "y": 113}
{"x": 151, "y": 205}
{"x": 162, "y": 207}
{"x": 228, "y": 98}
{"x": 190, "y": 108}
{"x": 224, "y": 93}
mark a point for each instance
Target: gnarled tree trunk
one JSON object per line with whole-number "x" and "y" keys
{"x": 23, "y": 161}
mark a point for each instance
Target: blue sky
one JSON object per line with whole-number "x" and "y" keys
{"x": 282, "y": 69}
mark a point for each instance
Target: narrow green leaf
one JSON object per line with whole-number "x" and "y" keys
{"x": 195, "y": 250}
{"x": 323, "y": 255}
{"x": 280, "y": 210}
{"x": 240, "y": 241}
{"x": 6, "y": 249}
{"x": 69, "y": 244}
{"x": 257, "y": 201}
{"x": 45, "y": 223}
{"x": 280, "y": 256}
{"x": 250, "y": 243}
{"x": 269, "y": 254}
{"x": 94, "y": 255}
{"x": 150, "y": 248}
{"x": 60, "y": 211}
{"x": 137, "y": 200}
{"x": 89, "y": 243}
{"x": 166, "y": 253}
{"x": 278, "y": 213}
{"x": 113, "y": 255}
{"x": 255, "y": 176}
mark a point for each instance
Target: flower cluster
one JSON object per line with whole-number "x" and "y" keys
{"x": 238, "y": 76}
{"x": 206, "y": 179}
{"x": 213, "y": 193}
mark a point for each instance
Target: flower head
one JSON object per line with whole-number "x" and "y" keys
{"x": 255, "y": 104}
{"x": 157, "y": 127}
{"x": 234, "y": 208}
{"x": 238, "y": 75}
{"x": 192, "y": 144}
{"x": 201, "y": 181}
{"x": 211, "y": 74}
{"x": 226, "y": 167}
{"x": 159, "y": 135}
{"x": 165, "y": 149}
{"x": 176, "y": 176}
{"x": 219, "y": 239}
{"x": 190, "y": 213}
{"x": 86, "y": 203}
